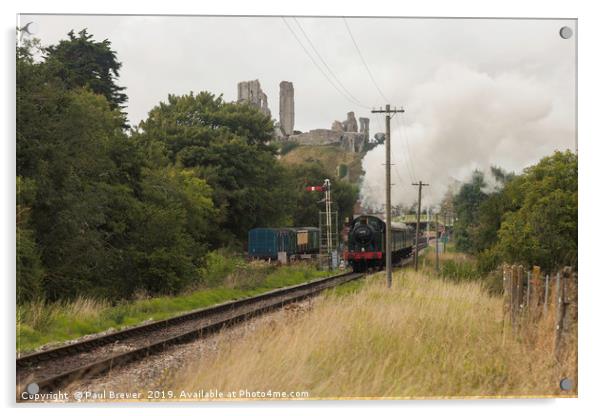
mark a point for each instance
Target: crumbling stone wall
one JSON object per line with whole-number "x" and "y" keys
{"x": 351, "y": 123}
{"x": 343, "y": 133}
{"x": 251, "y": 92}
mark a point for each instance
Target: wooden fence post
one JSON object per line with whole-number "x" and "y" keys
{"x": 560, "y": 309}
{"x": 535, "y": 286}
{"x": 571, "y": 300}
{"x": 545, "y": 298}
{"x": 520, "y": 290}
{"x": 507, "y": 302}
{"x": 528, "y": 299}
{"x": 514, "y": 296}
{"x": 507, "y": 280}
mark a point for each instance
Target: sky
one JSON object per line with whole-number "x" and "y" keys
{"x": 476, "y": 92}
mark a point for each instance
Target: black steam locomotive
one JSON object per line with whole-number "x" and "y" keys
{"x": 366, "y": 243}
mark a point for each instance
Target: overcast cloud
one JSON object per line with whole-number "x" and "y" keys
{"x": 476, "y": 92}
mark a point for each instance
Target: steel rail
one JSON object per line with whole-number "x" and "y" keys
{"x": 264, "y": 302}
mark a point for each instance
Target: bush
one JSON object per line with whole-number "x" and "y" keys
{"x": 463, "y": 270}
{"x": 218, "y": 265}
{"x": 488, "y": 260}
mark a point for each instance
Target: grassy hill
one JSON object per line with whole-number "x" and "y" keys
{"x": 338, "y": 162}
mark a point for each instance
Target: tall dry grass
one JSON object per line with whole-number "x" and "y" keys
{"x": 39, "y": 314}
{"x": 424, "y": 337}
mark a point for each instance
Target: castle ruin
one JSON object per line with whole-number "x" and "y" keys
{"x": 348, "y": 134}
{"x": 344, "y": 133}
{"x": 287, "y": 107}
{"x": 251, "y": 92}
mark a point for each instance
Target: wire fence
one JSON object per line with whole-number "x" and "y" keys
{"x": 531, "y": 297}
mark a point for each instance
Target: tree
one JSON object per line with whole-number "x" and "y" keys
{"x": 227, "y": 144}
{"x": 483, "y": 234}
{"x": 167, "y": 232}
{"x": 82, "y": 62}
{"x": 543, "y": 230}
{"x": 466, "y": 206}
{"x": 29, "y": 265}
{"x": 100, "y": 213}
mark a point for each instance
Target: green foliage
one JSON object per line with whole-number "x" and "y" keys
{"x": 529, "y": 218}
{"x": 168, "y": 225}
{"x": 81, "y": 62}
{"x": 108, "y": 218}
{"x": 306, "y": 204}
{"x": 343, "y": 170}
{"x": 29, "y": 265}
{"x": 218, "y": 265}
{"x": 466, "y": 205}
{"x": 42, "y": 322}
{"x": 543, "y": 231}
{"x": 227, "y": 144}
{"x": 458, "y": 270}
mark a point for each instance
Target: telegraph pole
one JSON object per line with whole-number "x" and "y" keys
{"x": 419, "y": 185}
{"x": 437, "y": 241}
{"x": 445, "y": 231}
{"x": 328, "y": 222}
{"x": 388, "y": 111}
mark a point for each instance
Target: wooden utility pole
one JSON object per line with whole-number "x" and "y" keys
{"x": 445, "y": 232}
{"x": 437, "y": 241}
{"x": 420, "y": 185}
{"x": 388, "y": 111}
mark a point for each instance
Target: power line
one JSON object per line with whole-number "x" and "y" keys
{"x": 316, "y": 64}
{"x": 358, "y": 102}
{"x": 364, "y": 62}
{"x": 397, "y": 172}
{"x": 404, "y": 137}
{"x": 408, "y": 160}
{"x": 406, "y": 156}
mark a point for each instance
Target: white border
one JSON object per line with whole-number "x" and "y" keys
{"x": 589, "y": 218}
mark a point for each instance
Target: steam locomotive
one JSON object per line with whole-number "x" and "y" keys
{"x": 366, "y": 243}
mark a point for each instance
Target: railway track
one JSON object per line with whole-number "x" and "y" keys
{"x": 57, "y": 367}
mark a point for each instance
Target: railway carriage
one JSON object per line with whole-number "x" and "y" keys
{"x": 366, "y": 242}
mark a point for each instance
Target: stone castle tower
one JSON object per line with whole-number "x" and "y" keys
{"x": 287, "y": 107}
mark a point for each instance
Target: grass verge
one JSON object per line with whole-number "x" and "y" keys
{"x": 425, "y": 337}
{"x": 40, "y": 323}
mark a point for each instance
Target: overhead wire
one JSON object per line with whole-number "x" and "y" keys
{"x": 408, "y": 154}
{"x": 311, "y": 44}
{"x": 408, "y": 160}
{"x": 403, "y": 156}
{"x": 343, "y": 91}
{"x": 348, "y": 98}
{"x": 364, "y": 62}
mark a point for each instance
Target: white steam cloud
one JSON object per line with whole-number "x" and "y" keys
{"x": 465, "y": 119}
